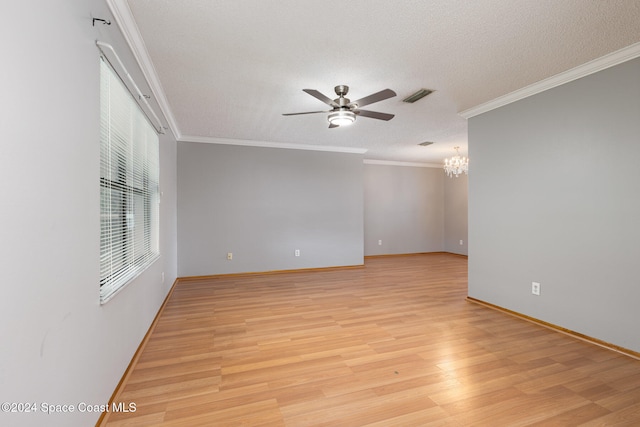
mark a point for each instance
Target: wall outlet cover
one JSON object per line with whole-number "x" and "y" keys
{"x": 535, "y": 288}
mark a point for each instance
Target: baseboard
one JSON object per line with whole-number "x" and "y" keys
{"x": 591, "y": 340}
{"x": 262, "y": 273}
{"x": 307, "y": 270}
{"x": 460, "y": 255}
{"x": 104, "y": 417}
{"x": 415, "y": 254}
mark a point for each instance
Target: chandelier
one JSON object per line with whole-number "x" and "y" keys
{"x": 456, "y": 165}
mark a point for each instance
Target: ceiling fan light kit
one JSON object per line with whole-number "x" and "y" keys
{"x": 344, "y": 111}
{"x": 341, "y": 118}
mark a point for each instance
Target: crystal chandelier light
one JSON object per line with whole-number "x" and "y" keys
{"x": 456, "y": 165}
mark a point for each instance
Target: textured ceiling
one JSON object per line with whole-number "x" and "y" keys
{"x": 229, "y": 68}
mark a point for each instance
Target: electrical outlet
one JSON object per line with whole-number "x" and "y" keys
{"x": 163, "y": 277}
{"x": 297, "y": 253}
{"x": 229, "y": 256}
{"x": 379, "y": 242}
{"x": 461, "y": 242}
{"x": 535, "y": 288}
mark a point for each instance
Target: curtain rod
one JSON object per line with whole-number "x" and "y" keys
{"x": 140, "y": 95}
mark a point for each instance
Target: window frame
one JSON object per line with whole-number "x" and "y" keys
{"x": 129, "y": 185}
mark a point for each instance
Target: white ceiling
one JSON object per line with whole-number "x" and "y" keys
{"x": 226, "y": 70}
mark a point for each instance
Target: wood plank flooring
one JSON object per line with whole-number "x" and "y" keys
{"x": 391, "y": 344}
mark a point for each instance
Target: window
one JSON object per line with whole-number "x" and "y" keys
{"x": 128, "y": 186}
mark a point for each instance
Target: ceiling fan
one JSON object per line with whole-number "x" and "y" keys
{"x": 344, "y": 111}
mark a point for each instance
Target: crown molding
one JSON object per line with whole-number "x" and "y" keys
{"x": 265, "y": 144}
{"x": 614, "y": 58}
{"x": 124, "y": 18}
{"x": 405, "y": 164}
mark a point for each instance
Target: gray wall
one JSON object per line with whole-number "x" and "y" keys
{"x": 553, "y": 198}
{"x": 403, "y": 207}
{"x": 262, "y": 204}
{"x": 455, "y": 214}
{"x": 59, "y": 345}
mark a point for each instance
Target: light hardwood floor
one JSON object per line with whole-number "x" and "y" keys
{"x": 392, "y": 344}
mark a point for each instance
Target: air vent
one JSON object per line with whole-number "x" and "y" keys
{"x": 424, "y": 144}
{"x": 418, "y": 95}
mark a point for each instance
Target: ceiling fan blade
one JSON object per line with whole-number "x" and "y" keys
{"x": 308, "y": 112}
{"x": 374, "y": 114}
{"x": 321, "y": 97}
{"x": 376, "y": 97}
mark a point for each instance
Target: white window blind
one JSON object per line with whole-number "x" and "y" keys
{"x": 129, "y": 174}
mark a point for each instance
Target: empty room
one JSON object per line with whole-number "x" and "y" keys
{"x": 281, "y": 213}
